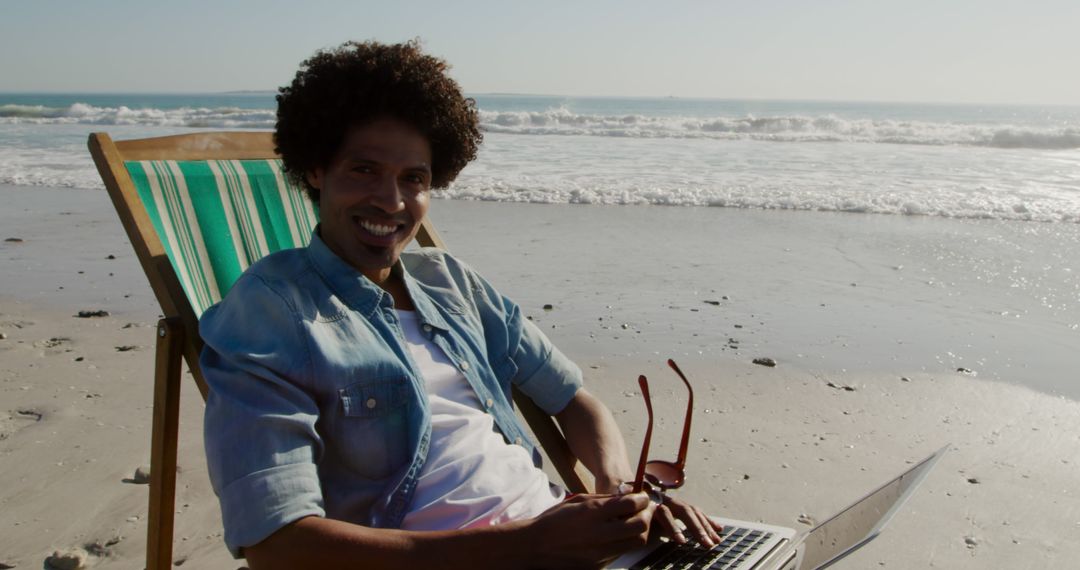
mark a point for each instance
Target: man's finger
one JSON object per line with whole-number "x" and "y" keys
{"x": 708, "y": 525}
{"x": 696, "y": 524}
{"x": 669, "y": 525}
{"x": 714, "y": 527}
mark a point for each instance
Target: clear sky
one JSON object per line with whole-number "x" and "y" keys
{"x": 991, "y": 51}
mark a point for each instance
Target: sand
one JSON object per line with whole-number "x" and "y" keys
{"x": 868, "y": 318}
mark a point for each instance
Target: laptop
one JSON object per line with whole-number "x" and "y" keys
{"x": 755, "y": 546}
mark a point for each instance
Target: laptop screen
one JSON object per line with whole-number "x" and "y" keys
{"x": 837, "y": 536}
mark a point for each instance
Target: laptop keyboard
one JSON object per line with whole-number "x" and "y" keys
{"x": 736, "y": 545}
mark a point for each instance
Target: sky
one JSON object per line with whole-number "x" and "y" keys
{"x": 979, "y": 51}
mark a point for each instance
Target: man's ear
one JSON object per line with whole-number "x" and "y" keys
{"x": 314, "y": 178}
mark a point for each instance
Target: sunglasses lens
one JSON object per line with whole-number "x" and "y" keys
{"x": 664, "y": 474}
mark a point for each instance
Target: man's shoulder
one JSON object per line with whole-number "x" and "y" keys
{"x": 280, "y": 275}
{"x": 285, "y": 264}
{"x": 434, "y": 266}
{"x": 425, "y": 255}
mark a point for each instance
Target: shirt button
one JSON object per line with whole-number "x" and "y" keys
{"x": 517, "y": 441}
{"x": 371, "y": 403}
{"x": 464, "y": 365}
{"x": 427, "y": 327}
{"x": 489, "y": 402}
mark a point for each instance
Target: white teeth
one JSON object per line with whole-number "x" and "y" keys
{"x": 377, "y": 229}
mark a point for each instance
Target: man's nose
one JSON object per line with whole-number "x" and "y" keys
{"x": 388, "y": 196}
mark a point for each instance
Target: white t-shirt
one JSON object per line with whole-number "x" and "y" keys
{"x": 472, "y": 477}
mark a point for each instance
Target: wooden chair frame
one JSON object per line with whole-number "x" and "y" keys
{"x": 178, "y": 333}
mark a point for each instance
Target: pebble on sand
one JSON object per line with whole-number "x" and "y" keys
{"x": 765, "y": 361}
{"x": 6, "y": 566}
{"x": 3, "y": 336}
{"x": 142, "y": 476}
{"x": 71, "y": 559}
{"x": 92, "y": 314}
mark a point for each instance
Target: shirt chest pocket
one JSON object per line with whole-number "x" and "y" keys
{"x": 374, "y": 399}
{"x": 373, "y": 434}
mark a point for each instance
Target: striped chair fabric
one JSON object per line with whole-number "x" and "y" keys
{"x": 217, "y": 217}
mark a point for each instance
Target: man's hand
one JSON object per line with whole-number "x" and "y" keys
{"x": 698, "y": 525}
{"x": 589, "y": 531}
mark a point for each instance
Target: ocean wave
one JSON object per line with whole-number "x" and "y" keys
{"x": 560, "y": 121}
{"x": 78, "y": 172}
{"x": 193, "y": 117}
{"x": 959, "y": 205}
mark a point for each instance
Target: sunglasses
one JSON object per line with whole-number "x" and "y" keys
{"x": 658, "y": 474}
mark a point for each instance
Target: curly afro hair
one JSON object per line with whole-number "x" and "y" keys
{"x": 358, "y": 83}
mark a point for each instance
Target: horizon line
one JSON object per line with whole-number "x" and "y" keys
{"x": 577, "y": 96}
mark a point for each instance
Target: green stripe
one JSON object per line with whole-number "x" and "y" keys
{"x": 248, "y": 214}
{"x": 216, "y": 218}
{"x": 189, "y": 234}
{"x": 174, "y": 243}
{"x": 228, "y": 214}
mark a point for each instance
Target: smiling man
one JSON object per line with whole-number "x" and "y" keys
{"x": 359, "y": 410}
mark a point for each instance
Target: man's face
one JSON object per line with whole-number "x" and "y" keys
{"x": 373, "y": 194}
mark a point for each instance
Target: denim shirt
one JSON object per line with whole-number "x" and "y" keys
{"x": 316, "y": 406}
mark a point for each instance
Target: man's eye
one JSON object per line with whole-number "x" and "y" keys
{"x": 362, "y": 169}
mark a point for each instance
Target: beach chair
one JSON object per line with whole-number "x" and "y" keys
{"x": 200, "y": 208}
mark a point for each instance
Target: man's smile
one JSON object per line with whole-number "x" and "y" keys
{"x": 377, "y": 228}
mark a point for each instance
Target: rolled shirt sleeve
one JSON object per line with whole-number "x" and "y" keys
{"x": 543, "y": 372}
{"x": 259, "y": 425}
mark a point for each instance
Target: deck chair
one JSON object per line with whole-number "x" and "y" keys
{"x": 198, "y": 209}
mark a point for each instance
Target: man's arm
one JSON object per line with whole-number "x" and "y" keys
{"x": 594, "y": 438}
{"x": 582, "y": 532}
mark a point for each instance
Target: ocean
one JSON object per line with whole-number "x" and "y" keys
{"x": 959, "y": 224}
{"x": 958, "y": 161}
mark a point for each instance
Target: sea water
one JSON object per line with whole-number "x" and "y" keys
{"x": 995, "y": 288}
{"x": 962, "y": 161}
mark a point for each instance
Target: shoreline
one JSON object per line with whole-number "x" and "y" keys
{"x": 826, "y": 292}
{"x": 768, "y": 444}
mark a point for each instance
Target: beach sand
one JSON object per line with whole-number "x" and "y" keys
{"x": 868, "y": 317}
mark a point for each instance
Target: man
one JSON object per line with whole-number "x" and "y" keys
{"x": 359, "y": 409}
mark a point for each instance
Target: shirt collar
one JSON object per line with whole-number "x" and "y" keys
{"x": 361, "y": 293}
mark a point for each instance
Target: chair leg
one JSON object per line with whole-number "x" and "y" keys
{"x": 159, "y": 533}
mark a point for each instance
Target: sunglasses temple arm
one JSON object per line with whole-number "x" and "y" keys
{"x": 681, "y": 461}
{"x": 639, "y": 478}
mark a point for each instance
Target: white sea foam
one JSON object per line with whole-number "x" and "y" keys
{"x": 561, "y": 121}
{"x": 84, "y": 114}
{"x": 780, "y": 129}
{"x": 851, "y": 200}
{"x": 951, "y": 163}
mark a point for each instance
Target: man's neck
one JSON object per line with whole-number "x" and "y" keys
{"x": 394, "y": 283}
